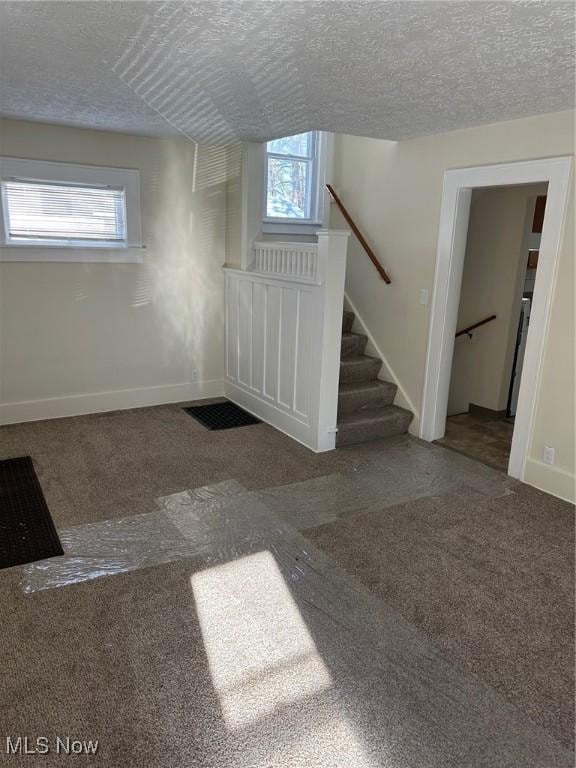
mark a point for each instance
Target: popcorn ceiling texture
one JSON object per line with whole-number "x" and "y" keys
{"x": 222, "y": 71}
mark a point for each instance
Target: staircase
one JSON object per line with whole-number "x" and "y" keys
{"x": 365, "y": 410}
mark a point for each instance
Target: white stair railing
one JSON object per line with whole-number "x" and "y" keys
{"x": 283, "y": 336}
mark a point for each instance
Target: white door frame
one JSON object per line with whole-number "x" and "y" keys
{"x": 453, "y": 231}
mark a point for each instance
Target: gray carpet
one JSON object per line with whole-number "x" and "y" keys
{"x": 116, "y": 464}
{"x": 435, "y": 634}
{"x": 490, "y": 581}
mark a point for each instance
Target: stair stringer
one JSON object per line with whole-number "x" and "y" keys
{"x": 386, "y": 372}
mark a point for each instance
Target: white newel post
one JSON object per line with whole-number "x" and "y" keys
{"x": 332, "y": 249}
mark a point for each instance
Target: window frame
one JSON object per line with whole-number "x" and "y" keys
{"x": 44, "y": 171}
{"x": 319, "y": 161}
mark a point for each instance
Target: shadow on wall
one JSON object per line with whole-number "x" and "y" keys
{"x": 184, "y": 283}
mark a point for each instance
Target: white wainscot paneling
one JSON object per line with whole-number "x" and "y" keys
{"x": 283, "y": 321}
{"x": 268, "y": 342}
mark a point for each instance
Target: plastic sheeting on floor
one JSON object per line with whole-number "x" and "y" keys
{"x": 225, "y": 515}
{"x": 120, "y": 545}
{"x": 307, "y": 666}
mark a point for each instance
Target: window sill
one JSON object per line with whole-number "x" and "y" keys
{"x": 291, "y": 228}
{"x": 40, "y": 254}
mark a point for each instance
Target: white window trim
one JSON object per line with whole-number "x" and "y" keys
{"x": 44, "y": 170}
{"x": 320, "y": 202}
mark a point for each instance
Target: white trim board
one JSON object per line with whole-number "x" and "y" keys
{"x": 99, "y": 402}
{"x": 49, "y": 254}
{"x": 550, "y": 479}
{"x": 453, "y": 230}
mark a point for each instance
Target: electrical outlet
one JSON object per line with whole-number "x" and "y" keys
{"x": 548, "y": 454}
{"x": 424, "y": 296}
{"x": 194, "y": 374}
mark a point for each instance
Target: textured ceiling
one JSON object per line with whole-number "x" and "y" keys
{"x": 219, "y": 71}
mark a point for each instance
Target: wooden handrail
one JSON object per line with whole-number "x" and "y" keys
{"x": 476, "y": 325}
{"x": 359, "y": 235}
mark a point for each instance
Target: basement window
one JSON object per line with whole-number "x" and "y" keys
{"x": 65, "y": 212}
{"x": 52, "y": 213}
{"x": 295, "y": 168}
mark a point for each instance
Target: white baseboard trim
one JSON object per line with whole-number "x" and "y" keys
{"x": 550, "y": 479}
{"x": 402, "y": 396}
{"x": 116, "y": 400}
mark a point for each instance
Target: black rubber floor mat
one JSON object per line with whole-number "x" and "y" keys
{"x": 225, "y": 415}
{"x": 27, "y": 532}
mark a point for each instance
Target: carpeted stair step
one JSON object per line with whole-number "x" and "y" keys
{"x": 373, "y": 424}
{"x": 365, "y": 404}
{"x": 359, "y": 368}
{"x": 356, "y": 397}
{"x": 353, "y": 344}
{"x": 347, "y": 321}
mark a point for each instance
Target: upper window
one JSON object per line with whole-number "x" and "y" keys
{"x": 294, "y": 167}
{"x": 52, "y": 213}
{"x": 48, "y": 208}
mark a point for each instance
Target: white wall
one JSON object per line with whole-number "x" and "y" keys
{"x": 234, "y": 206}
{"x": 77, "y": 337}
{"x": 394, "y": 191}
{"x": 492, "y": 283}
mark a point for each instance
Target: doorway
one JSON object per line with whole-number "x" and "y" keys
{"x": 495, "y": 298}
{"x": 454, "y": 217}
